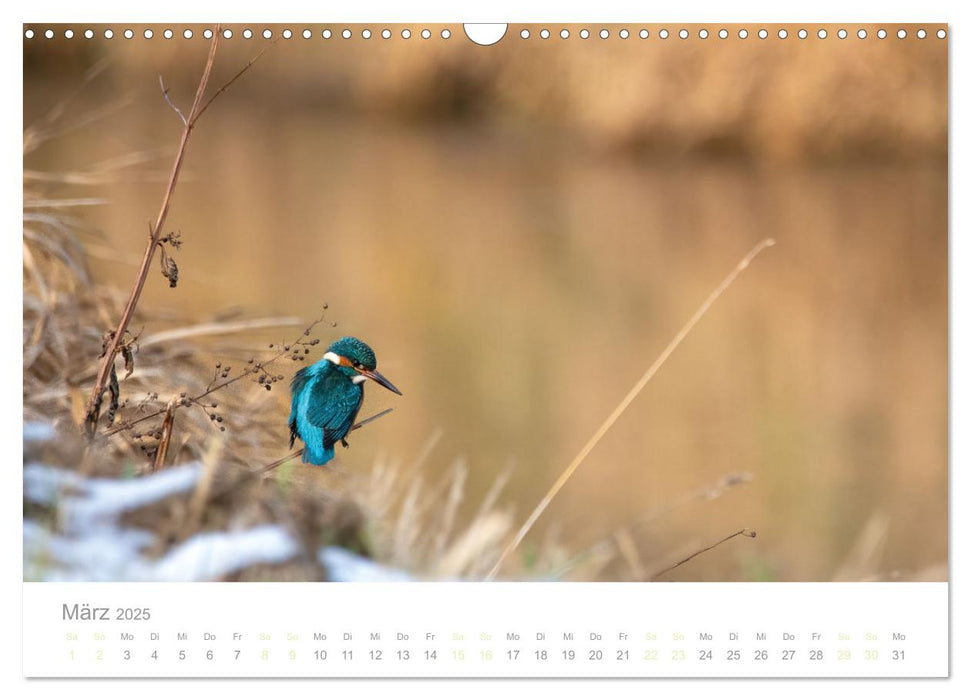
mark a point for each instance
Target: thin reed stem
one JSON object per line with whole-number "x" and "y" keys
{"x": 744, "y": 531}
{"x": 625, "y": 402}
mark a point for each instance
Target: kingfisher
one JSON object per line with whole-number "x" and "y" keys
{"x": 326, "y": 396}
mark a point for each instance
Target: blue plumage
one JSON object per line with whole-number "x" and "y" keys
{"x": 326, "y": 397}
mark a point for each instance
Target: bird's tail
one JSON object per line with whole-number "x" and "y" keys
{"x": 317, "y": 454}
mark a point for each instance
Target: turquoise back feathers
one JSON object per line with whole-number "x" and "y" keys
{"x": 326, "y": 397}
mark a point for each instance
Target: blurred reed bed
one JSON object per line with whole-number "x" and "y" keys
{"x": 788, "y": 100}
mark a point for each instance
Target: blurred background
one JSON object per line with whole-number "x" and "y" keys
{"x": 519, "y": 230}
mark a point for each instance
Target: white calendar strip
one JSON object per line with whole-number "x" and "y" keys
{"x": 486, "y": 630}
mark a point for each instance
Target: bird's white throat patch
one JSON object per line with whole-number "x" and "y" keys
{"x": 359, "y": 379}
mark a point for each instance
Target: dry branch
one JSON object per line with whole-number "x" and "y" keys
{"x": 93, "y": 407}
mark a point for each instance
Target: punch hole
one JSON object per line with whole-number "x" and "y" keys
{"x": 702, "y": 33}
{"x": 783, "y": 34}
{"x": 88, "y": 34}
{"x": 148, "y": 34}
{"x": 524, "y": 34}
{"x": 921, "y": 34}
{"x": 763, "y": 34}
{"x": 287, "y": 34}
{"x": 187, "y": 34}
{"x": 447, "y": 33}
{"x": 129, "y": 34}
{"x": 426, "y": 33}
{"x": 247, "y": 33}
{"x": 821, "y": 34}
{"x": 366, "y": 34}
{"x": 385, "y": 33}
{"x": 347, "y": 33}
{"x": 643, "y": 34}
{"x": 841, "y": 33}
{"x": 327, "y": 34}
{"x": 207, "y": 34}
{"x": 722, "y": 33}
{"x": 584, "y": 33}
{"x": 306, "y": 34}
{"x": 109, "y": 34}
{"x": 624, "y": 33}
{"x": 29, "y": 34}
{"x": 941, "y": 33}
{"x": 861, "y": 33}
{"x": 227, "y": 33}
{"x": 168, "y": 34}
{"x": 485, "y": 34}
{"x": 267, "y": 34}
{"x": 604, "y": 33}
{"x": 68, "y": 34}
{"x": 901, "y": 33}
{"x": 564, "y": 33}
{"x": 405, "y": 33}
{"x": 544, "y": 34}
{"x": 49, "y": 34}
{"x": 743, "y": 33}
{"x": 803, "y": 33}
{"x": 881, "y": 34}
{"x": 663, "y": 33}
{"x": 683, "y": 34}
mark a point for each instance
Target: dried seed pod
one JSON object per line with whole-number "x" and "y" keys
{"x": 126, "y": 353}
{"x": 115, "y": 394}
{"x": 170, "y": 270}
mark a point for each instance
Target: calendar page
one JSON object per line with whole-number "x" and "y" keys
{"x": 523, "y": 350}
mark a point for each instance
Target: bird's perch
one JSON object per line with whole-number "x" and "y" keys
{"x": 296, "y": 453}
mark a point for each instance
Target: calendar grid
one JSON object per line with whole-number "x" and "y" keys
{"x": 486, "y": 630}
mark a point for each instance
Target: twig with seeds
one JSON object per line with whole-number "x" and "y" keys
{"x": 221, "y": 372}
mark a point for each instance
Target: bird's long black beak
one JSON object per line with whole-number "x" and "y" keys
{"x": 380, "y": 379}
